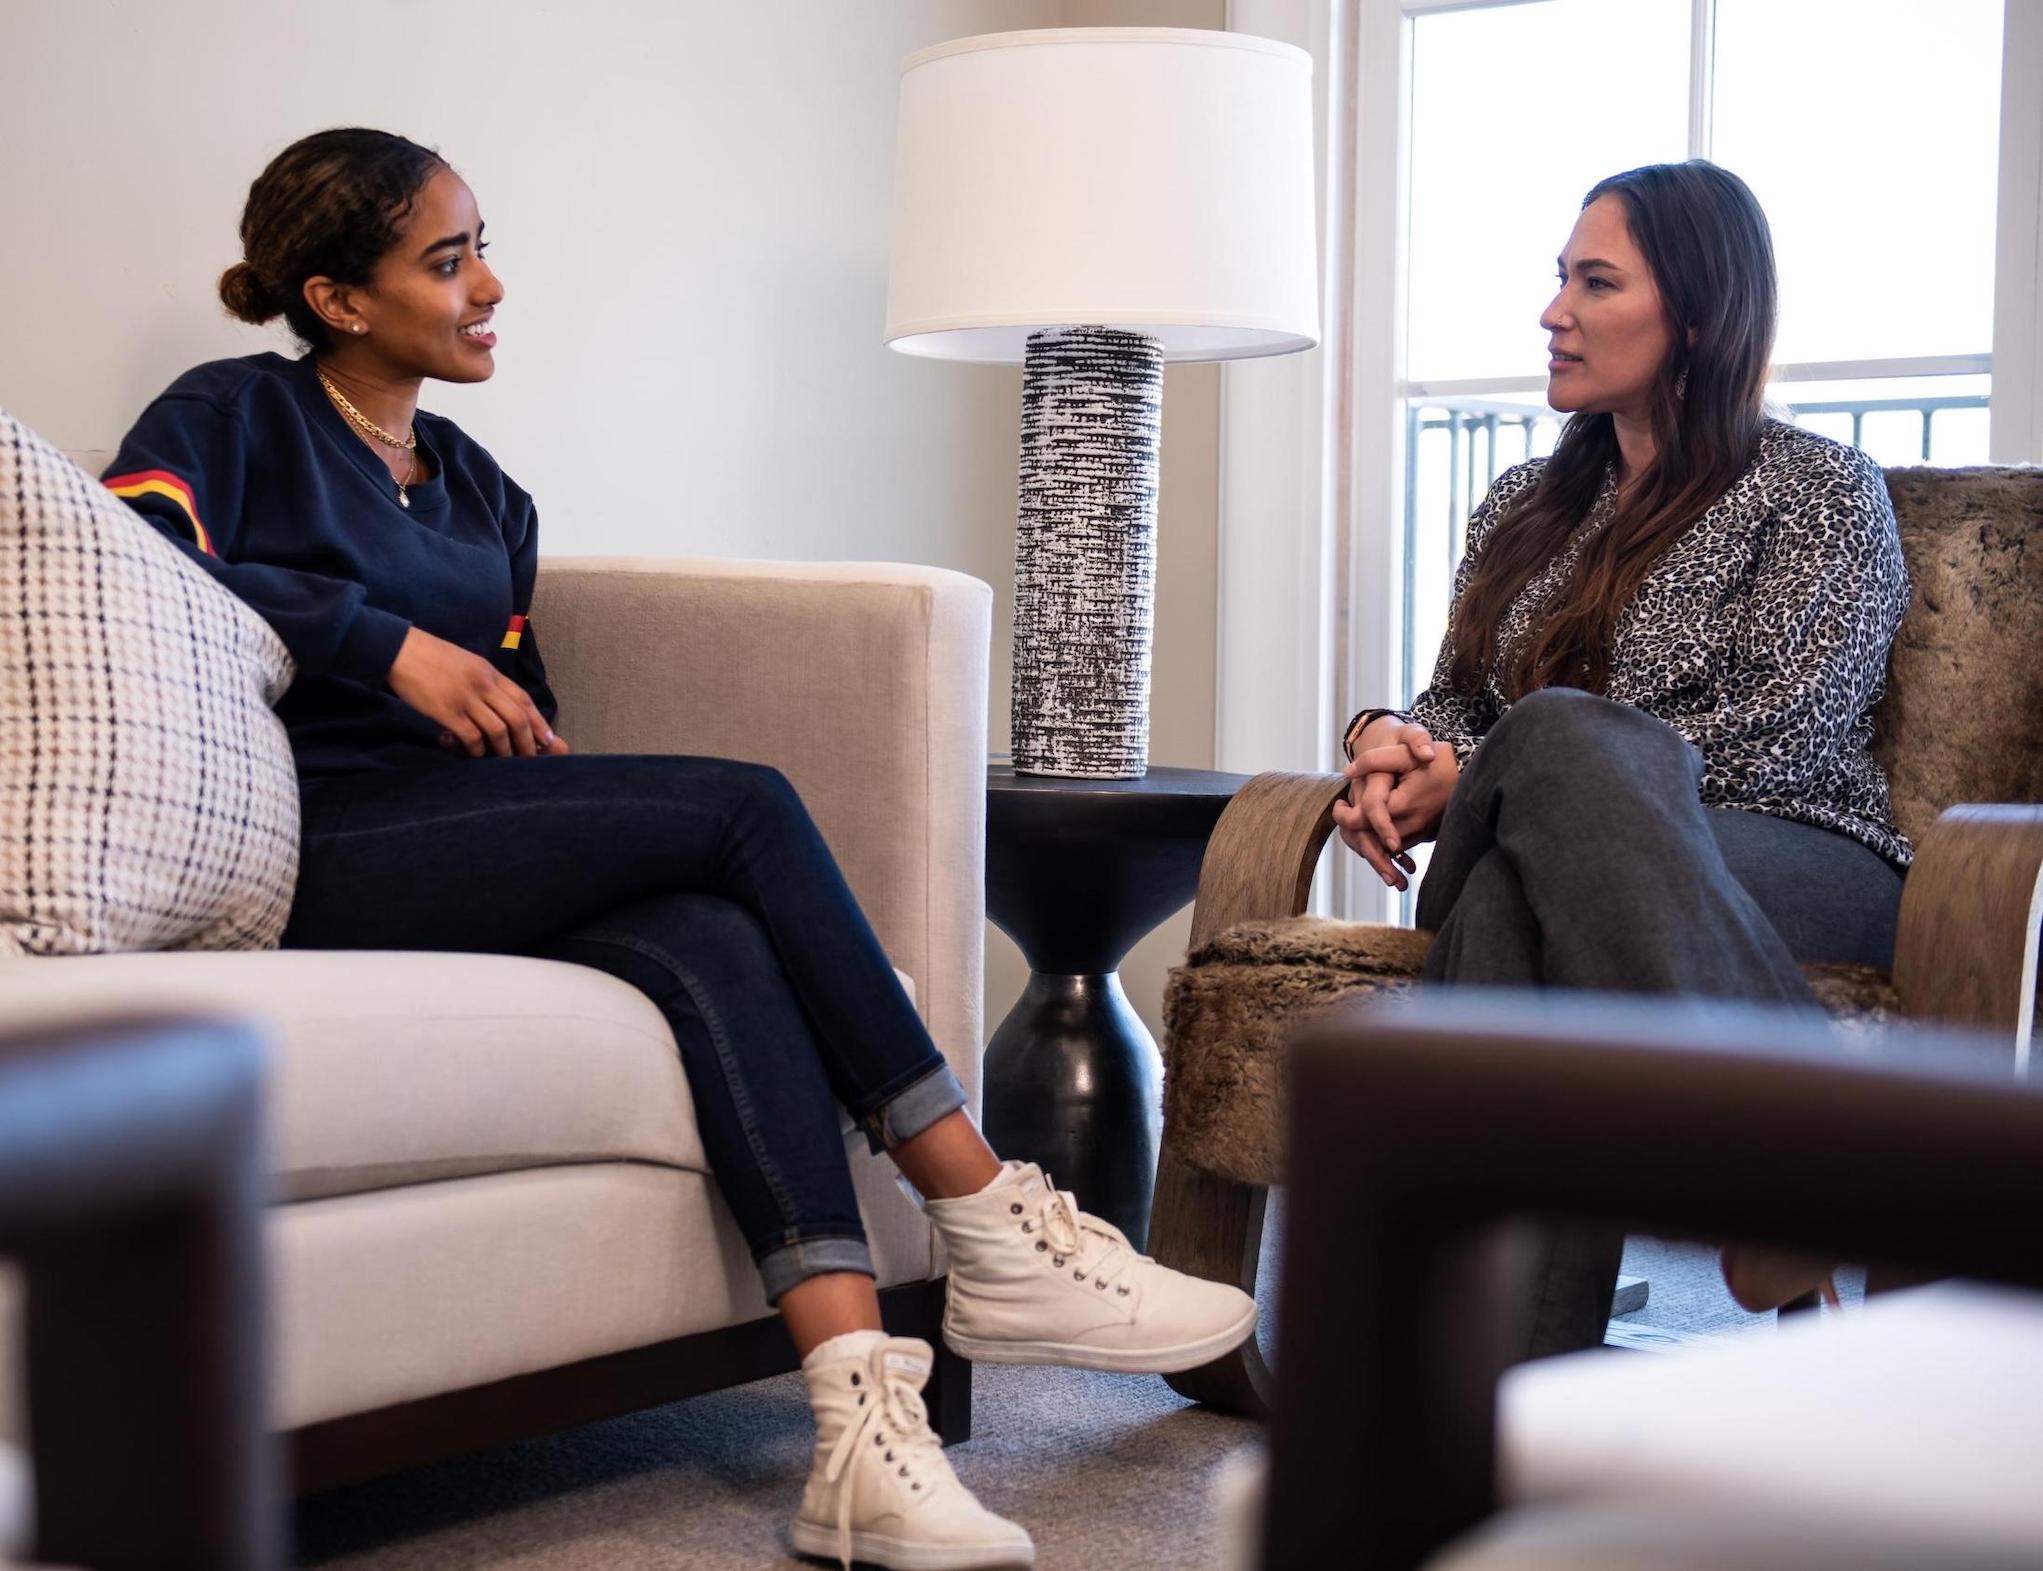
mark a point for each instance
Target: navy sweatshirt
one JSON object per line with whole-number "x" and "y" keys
{"x": 247, "y": 465}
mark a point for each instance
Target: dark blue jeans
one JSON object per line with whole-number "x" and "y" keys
{"x": 705, "y": 885}
{"x": 1576, "y": 852}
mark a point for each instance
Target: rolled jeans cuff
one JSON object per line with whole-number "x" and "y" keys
{"x": 794, "y": 1263}
{"x": 908, "y": 1112}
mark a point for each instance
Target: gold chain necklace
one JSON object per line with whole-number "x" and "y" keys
{"x": 408, "y": 443}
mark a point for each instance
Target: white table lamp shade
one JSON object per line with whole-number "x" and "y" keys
{"x": 1158, "y": 180}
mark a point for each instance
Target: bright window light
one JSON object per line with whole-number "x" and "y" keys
{"x": 1870, "y": 132}
{"x": 1516, "y": 113}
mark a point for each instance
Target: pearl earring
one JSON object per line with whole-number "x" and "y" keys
{"x": 359, "y": 328}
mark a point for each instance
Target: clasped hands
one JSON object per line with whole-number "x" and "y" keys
{"x": 1400, "y": 780}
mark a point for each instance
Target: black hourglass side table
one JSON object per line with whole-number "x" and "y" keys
{"x": 1076, "y": 872}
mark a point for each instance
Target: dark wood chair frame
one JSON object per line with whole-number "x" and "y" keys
{"x": 131, "y": 1186}
{"x": 1727, "y": 1122}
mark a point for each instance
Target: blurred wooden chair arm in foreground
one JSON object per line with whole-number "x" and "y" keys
{"x": 131, "y": 1188}
{"x": 1422, "y": 1131}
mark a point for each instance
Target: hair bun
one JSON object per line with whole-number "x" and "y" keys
{"x": 245, "y": 296}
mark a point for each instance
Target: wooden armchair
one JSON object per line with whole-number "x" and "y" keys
{"x": 1901, "y": 1436}
{"x": 1961, "y": 723}
{"x": 131, "y": 1186}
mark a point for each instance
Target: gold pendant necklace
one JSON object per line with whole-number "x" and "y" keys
{"x": 408, "y": 443}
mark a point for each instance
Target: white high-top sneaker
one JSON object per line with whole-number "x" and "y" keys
{"x": 881, "y": 1489}
{"x": 1035, "y": 1280}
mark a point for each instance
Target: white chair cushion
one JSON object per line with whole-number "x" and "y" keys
{"x": 147, "y": 794}
{"x": 1916, "y": 1418}
{"x": 1662, "y": 1537}
{"x": 406, "y": 1068}
{"x": 388, "y": 1297}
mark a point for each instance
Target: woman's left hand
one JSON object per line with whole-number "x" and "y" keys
{"x": 1404, "y": 782}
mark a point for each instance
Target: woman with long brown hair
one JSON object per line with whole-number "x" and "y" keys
{"x": 1643, "y": 753}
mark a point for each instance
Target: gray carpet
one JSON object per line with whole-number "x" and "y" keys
{"x": 1105, "y": 1471}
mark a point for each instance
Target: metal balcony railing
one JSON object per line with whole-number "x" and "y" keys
{"x": 1484, "y": 436}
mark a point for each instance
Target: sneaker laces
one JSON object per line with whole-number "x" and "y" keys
{"x": 1102, "y": 1250}
{"x": 899, "y": 1412}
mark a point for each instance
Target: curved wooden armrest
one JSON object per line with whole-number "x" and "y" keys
{"x": 1259, "y": 862}
{"x": 1966, "y": 947}
{"x": 1724, "y": 1120}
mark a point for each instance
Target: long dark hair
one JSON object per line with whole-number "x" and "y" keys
{"x": 1706, "y": 240}
{"x": 329, "y": 205}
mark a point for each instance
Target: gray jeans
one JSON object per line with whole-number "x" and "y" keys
{"x": 1575, "y": 852}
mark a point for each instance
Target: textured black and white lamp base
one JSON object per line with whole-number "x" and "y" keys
{"x": 1085, "y": 553}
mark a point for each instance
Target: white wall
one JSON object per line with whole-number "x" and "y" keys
{"x": 688, "y": 204}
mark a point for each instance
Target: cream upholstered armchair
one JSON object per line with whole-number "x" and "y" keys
{"x": 1961, "y": 723}
{"x": 491, "y": 1215}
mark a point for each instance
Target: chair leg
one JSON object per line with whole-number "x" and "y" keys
{"x": 1213, "y": 1228}
{"x": 917, "y": 1311}
{"x": 948, "y": 1394}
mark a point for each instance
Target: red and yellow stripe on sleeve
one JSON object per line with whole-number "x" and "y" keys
{"x": 161, "y": 482}
{"x": 514, "y": 635}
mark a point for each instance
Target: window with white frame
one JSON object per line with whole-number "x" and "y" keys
{"x": 1869, "y": 130}
{"x": 1896, "y": 145}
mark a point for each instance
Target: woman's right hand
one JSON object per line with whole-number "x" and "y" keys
{"x": 483, "y": 710}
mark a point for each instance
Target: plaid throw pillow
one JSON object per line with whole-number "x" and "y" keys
{"x": 147, "y": 794}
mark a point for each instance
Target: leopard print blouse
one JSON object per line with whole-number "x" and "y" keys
{"x": 1761, "y": 636}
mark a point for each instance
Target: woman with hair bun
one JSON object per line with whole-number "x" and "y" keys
{"x": 443, "y": 811}
{"x": 1644, "y": 749}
